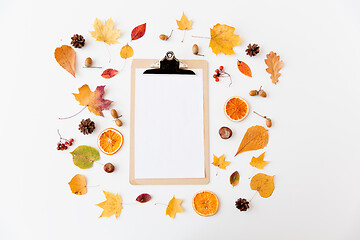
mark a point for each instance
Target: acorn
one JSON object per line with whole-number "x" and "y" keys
{"x": 88, "y": 62}
{"x": 163, "y": 37}
{"x": 262, "y": 93}
{"x": 268, "y": 122}
{"x": 253, "y": 93}
{"x": 118, "y": 122}
{"x": 195, "y": 50}
{"x": 114, "y": 113}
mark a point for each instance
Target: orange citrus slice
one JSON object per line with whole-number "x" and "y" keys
{"x": 236, "y": 109}
{"x": 205, "y": 203}
{"x": 110, "y": 141}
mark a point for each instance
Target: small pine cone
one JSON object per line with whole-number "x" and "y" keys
{"x": 86, "y": 126}
{"x": 252, "y": 50}
{"x": 242, "y": 204}
{"x": 77, "y": 41}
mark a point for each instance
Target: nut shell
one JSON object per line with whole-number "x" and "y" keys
{"x": 109, "y": 168}
{"x": 163, "y": 37}
{"x": 225, "y": 132}
{"x": 88, "y": 62}
{"x": 114, "y": 113}
{"x": 195, "y": 49}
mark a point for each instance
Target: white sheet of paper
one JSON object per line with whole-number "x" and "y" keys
{"x": 169, "y": 125}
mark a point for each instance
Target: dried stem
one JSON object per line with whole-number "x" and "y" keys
{"x": 183, "y": 36}
{"x": 260, "y": 115}
{"x": 252, "y": 173}
{"x": 74, "y": 114}
{"x": 123, "y": 66}
{"x": 201, "y": 37}
{"x": 92, "y": 67}
{"x": 253, "y": 196}
{"x": 170, "y": 34}
{"x": 107, "y": 49}
{"x": 229, "y": 77}
{"x": 200, "y": 54}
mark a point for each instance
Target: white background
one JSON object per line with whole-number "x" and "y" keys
{"x": 313, "y": 147}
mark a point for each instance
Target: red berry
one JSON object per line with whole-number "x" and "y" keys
{"x": 71, "y": 140}
{"x": 66, "y": 143}
{"x": 221, "y": 68}
{"x": 214, "y": 76}
{"x": 70, "y": 143}
{"x": 217, "y": 71}
{"x": 216, "y": 79}
{"x": 65, "y": 147}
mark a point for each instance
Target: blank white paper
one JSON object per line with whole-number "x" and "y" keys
{"x": 169, "y": 126}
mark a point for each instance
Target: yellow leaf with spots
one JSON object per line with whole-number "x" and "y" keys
{"x": 220, "y": 162}
{"x": 184, "y": 23}
{"x": 174, "y": 206}
{"x": 112, "y": 205}
{"x": 126, "y": 51}
{"x": 78, "y": 185}
{"x": 263, "y": 183}
{"x": 259, "y": 161}
{"x": 105, "y": 33}
{"x": 223, "y": 39}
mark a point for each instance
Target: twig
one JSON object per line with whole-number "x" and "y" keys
{"x": 108, "y": 52}
{"x": 201, "y": 37}
{"x": 74, "y": 114}
{"x": 183, "y": 36}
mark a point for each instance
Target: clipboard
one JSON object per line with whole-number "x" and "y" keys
{"x": 168, "y": 68}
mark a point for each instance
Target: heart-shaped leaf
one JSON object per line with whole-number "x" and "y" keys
{"x": 138, "y": 31}
{"x": 143, "y": 198}
{"x": 109, "y": 73}
{"x": 85, "y": 156}
{"x": 234, "y": 178}
{"x": 126, "y": 51}
{"x": 66, "y": 57}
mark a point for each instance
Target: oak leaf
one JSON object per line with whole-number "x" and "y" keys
{"x": 256, "y": 137}
{"x": 234, "y": 178}
{"x": 174, "y": 206}
{"x": 263, "y": 183}
{"x": 223, "y": 39}
{"x": 78, "y": 185}
{"x": 106, "y": 33}
{"x": 220, "y": 162}
{"x": 184, "y": 23}
{"x": 143, "y": 198}
{"x": 109, "y": 73}
{"x": 85, "y": 156}
{"x": 138, "y": 31}
{"x": 259, "y": 161}
{"x": 93, "y": 100}
{"x": 66, "y": 57}
{"x": 126, "y": 51}
{"x": 112, "y": 205}
{"x": 274, "y": 65}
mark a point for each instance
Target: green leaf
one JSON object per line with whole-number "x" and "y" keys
{"x": 234, "y": 178}
{"x": 85, "y": 156}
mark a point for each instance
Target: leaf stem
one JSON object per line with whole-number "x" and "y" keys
{"x": 183, "y": 36}
{"x": 92, "y": 67}
{"x": 160, "y": 204}
{"x": 201, "y": 37}
{"x": 259, "y": 114}
{"x": 74, "y": 114}
{"x": 107, "y": 49}
{"x": 170, "y": 34}
{"x": 253, "y": 196}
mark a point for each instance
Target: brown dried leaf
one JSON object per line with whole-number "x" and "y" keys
{"x": 234, "y": 178}
{"x": 256, "y": 137}
{"x": 274, "y": 65}
{"x": 66, "y": 57}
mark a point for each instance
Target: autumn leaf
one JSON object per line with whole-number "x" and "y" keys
{"x": 106, "y": 33}
{"x": 126, "y": 51}
{"x": 259, "y": 161}
{"x": 93, "y": 100}
{"x": 85, "y": 156}
{"x": 138, "y": 31}
{"x": 66, "y": 57}
{"x": 78, "y": 185}
{"x": 184, "y": 23}
{"x": 174, "y": 206}
{"x": 109, "y": 73}
{"x": 263, "y": 183}
{"x": 244, "y": 68}
{"x": 143, "y": 198}
{"x": 223, "y": 39}
{"x": 220, "y": 162}
{"x": 274, "y": 65}
{"x": 112, "y": 205}
{"x": 234, "y": 178}
{"x": 256, "y": 137}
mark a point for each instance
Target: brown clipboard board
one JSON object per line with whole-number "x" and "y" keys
{"x": 192, "y": 64}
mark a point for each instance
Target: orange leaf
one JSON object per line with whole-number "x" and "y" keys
{"x": 109, "y": 73}
{"x": 78, "y": 185}
{"x": 138, "y": 31}
{"x": 66, "y": 57}
{"x": 264, "y": 184}
{"x": 274, "y": 65}
{"x": 256, "y": 137}
{"x": 244, "y": 68}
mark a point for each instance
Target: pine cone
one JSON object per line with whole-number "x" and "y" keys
{"x": 86, "y": 126}
{"x": 252, "y": 50}
{"x": 242, "y": 204}
{"x": 77, "y": 41}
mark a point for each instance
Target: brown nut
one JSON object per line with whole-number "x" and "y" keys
{"x": 88, "y": 62}
{"x": 262, "y": 93}
{"x": 163, "y": 37}
{"x": 109, "y": 168}
{"x": 195, "y": 49}
{"x": 225, "y": 132}
{"x": 118, "y": 122}
{"x": 268, "y": 122}
{"x": 114, "y": 113}
{"x": 253, "y": 92}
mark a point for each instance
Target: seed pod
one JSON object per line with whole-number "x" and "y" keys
{"x": 268, "y": 122}
{"x": 163, "y": 37}
{"x": 88, "y": 62}
{"x": 225, "y": 132}
{"x": 118, "y": 122}
{"x": 109, "y": 168}
{"x": 114, "y": 113}
{"x": 253, "y": 92}
{"x": 262, "y": 93}
{"x": 195, "y": 49}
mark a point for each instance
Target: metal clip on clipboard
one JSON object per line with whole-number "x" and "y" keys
{"x": 169, "y": 65}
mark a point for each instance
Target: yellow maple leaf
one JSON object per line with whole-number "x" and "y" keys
{"x": 126, "y": 51}
{"x": 111, "y": 206}
{"x": 78, "y": 184}
{"x": 184, "y": 23}
{"x": 263, "y": 183}
{"x": 220, "y": 162}
{"x": 223, "y": 39}
{"x": 259, "y": 161}
{"x": 174, "y": 206}
{"x": 106, "y": 33}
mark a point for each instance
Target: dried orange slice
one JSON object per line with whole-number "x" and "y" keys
{"x": 205, "y": 203}
{"x": 110, "y": 141}
{"x": 236, "y": 109}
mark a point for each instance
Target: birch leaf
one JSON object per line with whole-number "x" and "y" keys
{"x": 78, "y": 185}
{"x": 264, "y": 184}
{"x": 66, "y": 57}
